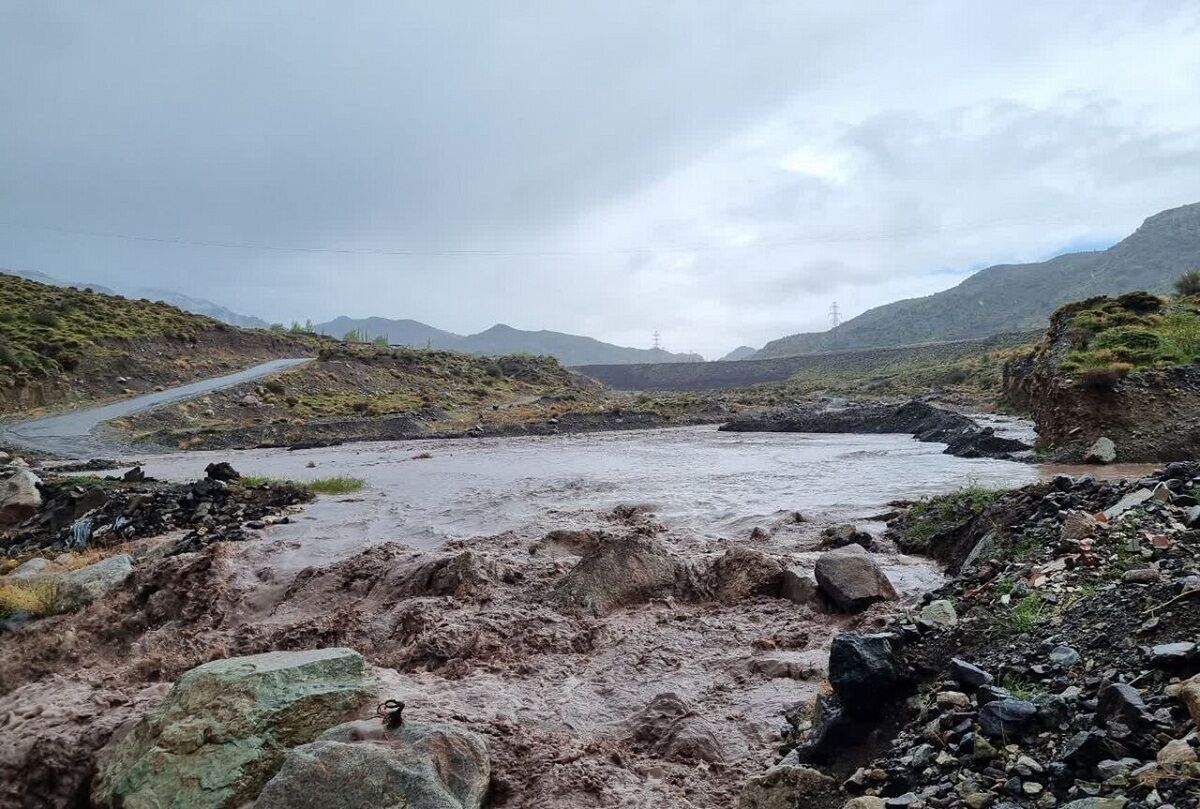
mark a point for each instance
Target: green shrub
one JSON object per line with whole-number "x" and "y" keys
{"x": 1188, "y": 284}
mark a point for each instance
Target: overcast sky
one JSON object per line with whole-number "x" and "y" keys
{"x": 720, "y": 172}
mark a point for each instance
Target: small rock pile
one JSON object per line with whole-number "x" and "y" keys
{"x": 70, "y": 514}
{"x": 1061, "y": 668}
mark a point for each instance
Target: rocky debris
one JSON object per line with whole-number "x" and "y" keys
{"x": 365, "y": 765}
{"x": 670, "y": 729}
{"x": 52, "y": 729}
{"x": 619, "y": 573}
{"x": 939, "y": 613}
{"x": 76, "y": 514}
{"x": 852, "y": 579}
{"x": 20, "y": 497}
{"x": 1070, "y": 677}
{"x": 80, "y": 587}
{"x": 31, "y": 570}
{"x": 839, "y": 536}
{"x": 1102, "y": 450}
{"x": 224, "y": 728}
{"x": 925, "y": 422}
{"x": 800, "y": 586}
{"x": 222, "y": 471}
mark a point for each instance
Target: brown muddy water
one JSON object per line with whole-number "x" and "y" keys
{"x": 694, "y": 479}
{"x": 668, "y": 703}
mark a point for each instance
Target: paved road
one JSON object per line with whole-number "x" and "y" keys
{"x": 71, "y": 433}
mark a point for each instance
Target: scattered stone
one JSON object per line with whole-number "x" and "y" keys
{"x": 742, "y": 573}
{"x": 947, "y": 700}
{"x": 939, "y": 613}
{"x": 969, "y": 676}
{"x": 1129, "y": 501}
{"x": 852, "y": 579}
{"x": 1078, "y": 525}
{"x": 1120, "y": 702}
{"x": 1064, "y": 656}
{"x": 1102, "y": 451}
{"x": 1171, "y": 655}
{"x": 19, "y": 496}
{"x": 1006, "y": 718}
{"x": 1176, "y": 753}
{"x": 1146, "y": 575}
{"x": 800, "y": 586}
{"x": 839, "y": 536}
{"x": 225, "y": 726}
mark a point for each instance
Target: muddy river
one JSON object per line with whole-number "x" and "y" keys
{"x": 695, "y": 479}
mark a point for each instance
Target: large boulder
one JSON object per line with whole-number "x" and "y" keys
{"x": 19, "y": 496}
{"x": 852, "y": 579}
{"x": 85, "y": 585}
{"x": 672, "y": 730}
{"x": 741, "y": 573}
{"x": 363, "y": 765}
{"x": 618, "y": 573}
{"x": 864, "y": 671}
{"x": 223, "y": 730}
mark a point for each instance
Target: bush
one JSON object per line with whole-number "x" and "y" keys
{"x": 1188, "y": 284}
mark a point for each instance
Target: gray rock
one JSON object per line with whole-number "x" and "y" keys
{"x": 1129, "y": 501}
{"x": 784, "y": 786}
{"x": 617, "y": 573}
{"x": 19, "y": 496}
{"x": 362, "y": 765}
{"x": 1097, "y": 803}
{"x": 1102, "y": 450}
{"x": 1004, "y": 718}
{"x": 839, "y": 536}
{"x": 1064, "y": 656}
{"x": 1121, "y": 703}
{"x": 1173, "y": 654}
{"x": 1143, "y": 575}
{"x": 222, "y": 731}
{"x": 800, "y": 586}
{"x": 968, "y": 675}
{"x": 939, "y": 613}
{"x": 1193, "y": 517}
{"x": 851, "y": 579}
{"x": 29, "y": 570}
{"x": 85, "y": 585}
{"x": 863, "y": 670}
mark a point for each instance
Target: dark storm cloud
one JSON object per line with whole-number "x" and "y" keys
{"x": 584, "y": 147}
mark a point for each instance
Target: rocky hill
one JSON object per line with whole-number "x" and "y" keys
{"x": 1115, "y": 379}
{"x": 1018, "y": 297}
{"x": 62, "y": 344}
{"x": 501, "y": 339}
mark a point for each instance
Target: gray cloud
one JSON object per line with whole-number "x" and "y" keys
{"x": 865, "y": 152}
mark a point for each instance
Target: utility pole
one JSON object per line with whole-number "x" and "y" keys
{"x": 657, "y": 341}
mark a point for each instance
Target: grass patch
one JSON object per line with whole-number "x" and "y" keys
{"x": 1024, "y": 616}
{"x": 1111, "y": 337}
{"x": 40, "y": 598}
{"x": 931, "y": 516}
{"x": 1021, "y": 689}
{"x": 332, "y": 485}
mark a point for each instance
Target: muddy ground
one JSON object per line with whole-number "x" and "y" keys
{"x": 637, "y": 697}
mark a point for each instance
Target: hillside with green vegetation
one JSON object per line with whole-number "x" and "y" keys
{"x": 1019, "y": 297}
{"x": 60, "y": 344}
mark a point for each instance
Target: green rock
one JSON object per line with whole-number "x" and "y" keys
{"x": 360, "y": 765}
{"x": 224, "y": 728}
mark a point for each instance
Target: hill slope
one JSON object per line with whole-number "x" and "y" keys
{"x": 406, "y": 332}
{"x": 61, "y": 344}
{"x": 1019, "y": 297}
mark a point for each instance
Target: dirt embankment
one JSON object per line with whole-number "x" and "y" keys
{"x": 1119, "y": 369}
{"x": 122, "y": 368}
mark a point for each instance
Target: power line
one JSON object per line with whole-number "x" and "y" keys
{"x": 843, "y": 238}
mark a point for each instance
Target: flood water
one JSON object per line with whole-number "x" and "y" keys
{"x": 695, "y": 479}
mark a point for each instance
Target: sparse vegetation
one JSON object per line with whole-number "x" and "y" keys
{"x": 1188, "y": 284}
{"x": 331, "y": 485}
{"x": 39, "y": 598}
{"x": 930, "y": 517}
{"x": 1113, "y": 337}
{"x": 1023, "y": 615}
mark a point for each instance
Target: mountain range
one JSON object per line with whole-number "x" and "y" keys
{"x": 1018, "y": 297}
{"x": 570, "y": 349}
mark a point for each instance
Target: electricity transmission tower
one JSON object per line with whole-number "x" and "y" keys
{"x": 835, "y": 316}
{"x": 657, "y": 341}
